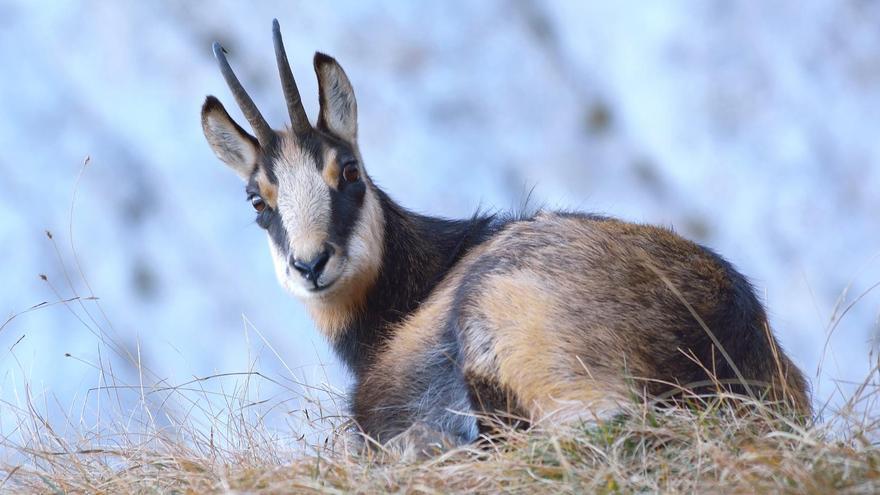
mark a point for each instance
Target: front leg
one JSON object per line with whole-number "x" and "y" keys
{"x": 417, "y": 402}
{"x": 421, "y": 441}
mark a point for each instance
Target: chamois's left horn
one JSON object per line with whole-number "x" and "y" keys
{"x": 265, "y": 134}
{"x": 298, "y": 117}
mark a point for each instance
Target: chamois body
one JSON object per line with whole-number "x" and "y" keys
{"x": 558, "y": 315}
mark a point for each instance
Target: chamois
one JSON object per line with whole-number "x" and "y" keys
{"x": 443, "y": 322}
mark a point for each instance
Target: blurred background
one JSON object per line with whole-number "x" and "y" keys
{"x": 750, "y": 127}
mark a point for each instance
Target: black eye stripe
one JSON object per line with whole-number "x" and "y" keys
{"x": 275, "y": 228}
{"x": 345, "y": 209}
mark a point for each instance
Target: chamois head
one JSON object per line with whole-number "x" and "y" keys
{"x": 307, "y": 184}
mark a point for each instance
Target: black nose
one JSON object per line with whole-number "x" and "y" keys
{"x": 311, "y": 270}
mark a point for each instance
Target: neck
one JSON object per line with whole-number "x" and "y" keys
{"x": 418, "y": 252}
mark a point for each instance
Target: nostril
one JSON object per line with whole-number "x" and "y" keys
{"x": 320, "y": 262}
{"x": 303, "y": 268}
{"x": 311, "y": 270}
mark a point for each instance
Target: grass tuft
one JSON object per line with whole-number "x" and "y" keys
{"x": 733, "y": 446}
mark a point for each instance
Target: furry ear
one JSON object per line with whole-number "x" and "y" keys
{"x": 338, "y": 106}
{"x": 230, "y": 142}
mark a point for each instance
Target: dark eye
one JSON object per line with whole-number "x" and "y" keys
{"x": 350, "y": 173}
{"x": 258, "y": 203}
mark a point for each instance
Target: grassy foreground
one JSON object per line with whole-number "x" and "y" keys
{"x": 729, "y": 447}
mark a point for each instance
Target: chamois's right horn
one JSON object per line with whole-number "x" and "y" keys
{"x": 298, "y": 118}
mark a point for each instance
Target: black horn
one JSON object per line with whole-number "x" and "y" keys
{"x": 298, "y": 117}
{"x": 265, "y": 135}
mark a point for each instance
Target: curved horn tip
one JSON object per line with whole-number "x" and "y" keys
{"x": 218, "y": 49}
{"x": 275, "y": 26}
{"x": 322, "y": 59}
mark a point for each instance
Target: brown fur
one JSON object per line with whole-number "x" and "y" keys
{"x": 331, "y": 169}
{"x": 333, "y": 316}
{"x": 268, "y": 190}
{"x": 571, "y": 314}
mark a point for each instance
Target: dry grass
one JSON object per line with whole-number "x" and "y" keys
{"x": 729, "y": 444}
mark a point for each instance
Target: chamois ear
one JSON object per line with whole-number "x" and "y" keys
{"x": 338, "y": 106}
{"x": 230, "y": 142}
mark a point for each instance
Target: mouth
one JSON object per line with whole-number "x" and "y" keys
{"x": 322, "y": 288}
{"x": 316, "y": 289}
